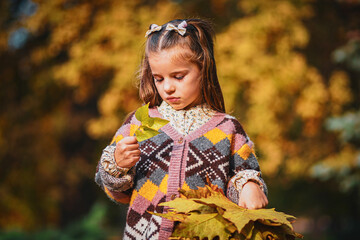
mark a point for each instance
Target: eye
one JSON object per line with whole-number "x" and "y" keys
{"x": 157, "y": 79}
{"x": 179, "y": 77}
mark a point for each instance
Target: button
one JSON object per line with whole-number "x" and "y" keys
{"x": 180, "y": 140}
{"x": 173, "y": 197}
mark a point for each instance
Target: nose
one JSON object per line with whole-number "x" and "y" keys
{"x": 169, "y": 86}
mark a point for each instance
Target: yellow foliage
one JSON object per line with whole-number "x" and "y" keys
{"x": 313, "y": 96}
{"x": 346, "y": 157}
{"x": 257, "y": 59}
{"x": 266, "y": 82}
{"x": 82, "y": 59}
{"x": 97, "y": 127}
{"x": 108, "y": 102}
{"x": 112, "y": 45}
{"x": 3, "y": 41}
{"x": 339, "y": 90}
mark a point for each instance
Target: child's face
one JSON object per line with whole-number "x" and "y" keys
{"x": 177, "y": 80}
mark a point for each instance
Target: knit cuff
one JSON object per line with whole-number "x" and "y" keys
{"x": 118, "y": 184}
{"x": 238, "y": 181}
{"x": 109, "y": 164}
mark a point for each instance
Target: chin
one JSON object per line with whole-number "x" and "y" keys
{"x": 176, "y": 106}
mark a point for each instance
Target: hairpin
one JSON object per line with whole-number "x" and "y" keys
{"x": 153, "y": 28}
{"x": 180, "y": 29}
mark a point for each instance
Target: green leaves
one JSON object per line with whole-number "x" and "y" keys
{"x": 208, "y": 213}
{"x": 149, "y": 126}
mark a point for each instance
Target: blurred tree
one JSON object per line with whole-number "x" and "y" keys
{"x": 40, "y": 127}
{"x": 61, "y": 68}
{"x": 287, "y": 87}
{"x": 67, "y": 80}
{"x": 343, "y": 166}
{"x": 281, "y": 99}
{"x": 90, "y": 227}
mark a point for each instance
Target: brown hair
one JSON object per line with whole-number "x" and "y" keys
{"x": 199, "y": 39}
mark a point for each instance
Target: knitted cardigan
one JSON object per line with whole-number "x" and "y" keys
{"x": 219, "y": 149}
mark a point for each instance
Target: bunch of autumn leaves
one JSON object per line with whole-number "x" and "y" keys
{"x": 206, "y": 213}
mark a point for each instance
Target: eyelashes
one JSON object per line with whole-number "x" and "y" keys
{"x": 179, "y": 77}
{"x": 157, "y": 79}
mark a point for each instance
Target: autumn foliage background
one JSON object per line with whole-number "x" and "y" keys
{"x": 289, "y": 70}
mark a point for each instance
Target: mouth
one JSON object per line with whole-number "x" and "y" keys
{"x": 173, "y": 99}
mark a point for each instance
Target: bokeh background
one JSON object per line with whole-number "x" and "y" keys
{"x": 289, "y": 70}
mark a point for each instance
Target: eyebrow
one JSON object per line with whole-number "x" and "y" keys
{"x": 181, "y": 71}
{"x": 175, "y": 72}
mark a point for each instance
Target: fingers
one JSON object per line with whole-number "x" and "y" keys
{"x": 130, "y": 154}
{"x": 257, "y": 205}
{"x": 252, "y": 197}
{"x": 254, "y": 205}
{"x": 128, "y": 159}
{"x": 123, "y": 148}
{"x": 127, "y": 144}
{"x": 127, "y": 152}
{"x": 266, "y": 201}
{"x": 129, "y": 140}
{"x": 242, "y": 204}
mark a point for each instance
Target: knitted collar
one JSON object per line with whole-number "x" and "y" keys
{"x": 186, "y": 121}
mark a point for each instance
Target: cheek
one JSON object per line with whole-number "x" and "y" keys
{"x": 160, "y": 90}
{"x": 192, "y": 91}
{"x": 196, "y": 86}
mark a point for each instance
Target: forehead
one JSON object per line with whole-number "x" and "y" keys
{"x": 177, "y": 55}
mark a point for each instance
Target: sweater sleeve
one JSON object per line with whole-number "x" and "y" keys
{"x": 244, "y": 166}
{"x": 117, "y": 189}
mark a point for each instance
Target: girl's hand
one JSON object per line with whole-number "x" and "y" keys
{"x": 252, "y": 197}
{"x": 127, "y": 152}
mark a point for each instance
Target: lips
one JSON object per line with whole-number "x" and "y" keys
{"x": 172, "y": 99}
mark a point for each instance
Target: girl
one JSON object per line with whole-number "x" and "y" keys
{"x": 178, "y": 78}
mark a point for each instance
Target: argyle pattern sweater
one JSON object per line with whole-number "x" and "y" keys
{"x": 218, "y": 149}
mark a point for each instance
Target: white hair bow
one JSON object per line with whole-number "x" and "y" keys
{"x": 180, "y": 29}
{"x": 153, "y": 28}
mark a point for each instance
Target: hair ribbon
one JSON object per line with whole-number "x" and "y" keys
{"x": 153, "y": 28}
{"x": 180, "y": 29}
